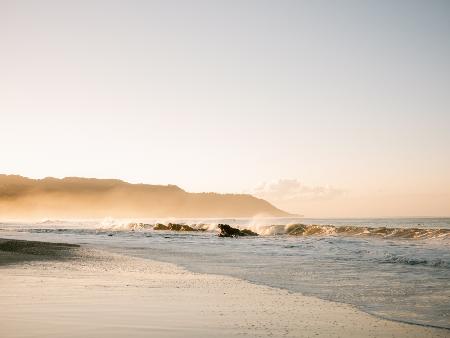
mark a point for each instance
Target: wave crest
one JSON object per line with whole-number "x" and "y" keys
{"x": 396, "y": 259}
{"x": 381, "y": 232}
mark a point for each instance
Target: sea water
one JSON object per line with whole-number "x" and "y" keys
{"x": 397, "y": 269}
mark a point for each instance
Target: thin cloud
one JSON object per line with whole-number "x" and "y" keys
{"x": 284, "y": 190}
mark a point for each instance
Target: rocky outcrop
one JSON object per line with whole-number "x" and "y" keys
{"x": 174, "y": 227}
{"x": 228, "y": 231}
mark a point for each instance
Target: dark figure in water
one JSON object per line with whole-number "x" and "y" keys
{"x": 228, "y": 231}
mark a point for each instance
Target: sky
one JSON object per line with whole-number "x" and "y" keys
{"x": 324, "y": 108}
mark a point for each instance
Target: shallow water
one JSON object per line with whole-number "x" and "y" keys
{"x": 406, "y": 279}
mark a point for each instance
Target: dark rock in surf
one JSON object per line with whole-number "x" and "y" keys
{"x": 160, "y": 226}
{"x": 228, "y": 231}
{"x": 174, "y": 227}
{"x": 180, "y": 227}
{"x": 247, "y": 232}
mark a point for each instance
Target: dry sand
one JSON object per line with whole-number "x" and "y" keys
{"x": 82, "y": 292}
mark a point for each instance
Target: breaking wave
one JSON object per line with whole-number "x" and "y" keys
{"x": 380, "y": 232}
{"x": 302, "y": 230}
{"x": 133, "y": 226}
{"x": 396, "y": 231}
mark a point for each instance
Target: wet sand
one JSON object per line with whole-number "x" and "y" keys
{"x": 58, "y": 290}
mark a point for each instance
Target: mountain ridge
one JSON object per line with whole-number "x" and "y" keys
{"x": 92, "y": 197}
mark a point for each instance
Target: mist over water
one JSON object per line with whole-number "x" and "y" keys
{"x": 395, "y": 268}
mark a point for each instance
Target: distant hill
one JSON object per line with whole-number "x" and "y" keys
{"x": 76, "y": 197}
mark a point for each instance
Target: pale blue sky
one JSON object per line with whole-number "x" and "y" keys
{"x": 224, "y": 95}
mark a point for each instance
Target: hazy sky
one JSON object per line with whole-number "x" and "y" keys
{"x": 326, "y": 108}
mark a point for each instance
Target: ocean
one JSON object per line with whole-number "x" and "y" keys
{"x": 396, "y": 268}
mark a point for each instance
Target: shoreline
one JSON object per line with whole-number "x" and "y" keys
{"x": 93, "y": 293}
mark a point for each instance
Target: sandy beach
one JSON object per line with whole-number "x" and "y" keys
{"x": 57, "y": 290}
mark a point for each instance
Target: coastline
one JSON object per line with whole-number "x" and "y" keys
{"x": 58, "y": 290}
